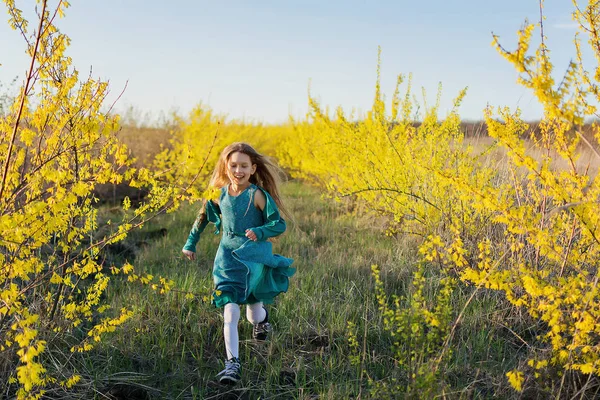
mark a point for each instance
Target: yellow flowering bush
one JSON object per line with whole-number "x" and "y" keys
{"x": 528, "y": 229}
{"x": 56, "y": 144}
{"x": 385, "y": 159}
{"x": 550, "y": 225}
{"x": 405, "y": 171}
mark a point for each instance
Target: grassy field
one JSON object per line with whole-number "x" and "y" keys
{"x": 173, "y": 347}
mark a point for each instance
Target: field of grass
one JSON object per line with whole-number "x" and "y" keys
{"x": 173, "y": 346}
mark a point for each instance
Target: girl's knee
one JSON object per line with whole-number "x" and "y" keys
{"x": 256, "y": 313}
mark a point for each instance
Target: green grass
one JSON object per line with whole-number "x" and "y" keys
{"x": 173, "y": 346}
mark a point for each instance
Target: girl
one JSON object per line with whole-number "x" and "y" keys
{"x": 245, "y": 269}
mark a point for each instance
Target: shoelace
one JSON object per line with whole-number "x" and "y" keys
{"x": 261, "y": 328}
{"x": 231, "y": 367}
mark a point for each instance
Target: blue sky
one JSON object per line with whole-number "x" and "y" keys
{"x": 254, "y": 59}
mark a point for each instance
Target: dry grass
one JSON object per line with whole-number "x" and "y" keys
{"x": 145, "y": 142}
{"x": 496, "y": 156}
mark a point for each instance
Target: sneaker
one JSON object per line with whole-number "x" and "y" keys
{"x": 261, "y": 331}
{"x": 232, "y": 372}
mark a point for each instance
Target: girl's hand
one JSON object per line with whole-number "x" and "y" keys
{"x": 189, "y": 254}
{"x": 251, "y": 235}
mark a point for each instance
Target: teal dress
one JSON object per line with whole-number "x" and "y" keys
{"x": 245, "y": 271}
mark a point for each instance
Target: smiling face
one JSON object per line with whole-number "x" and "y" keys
{"x": 240, "y": 169}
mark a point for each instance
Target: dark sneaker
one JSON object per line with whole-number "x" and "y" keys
{"x": 261, "y": 331}
{"x": 232, "y": 372}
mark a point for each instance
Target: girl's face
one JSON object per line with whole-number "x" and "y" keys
{"x": 240, "y": 169}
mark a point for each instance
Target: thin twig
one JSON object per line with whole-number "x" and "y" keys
{"x": 381, "y": 189}
{"x": 24, "y": 95}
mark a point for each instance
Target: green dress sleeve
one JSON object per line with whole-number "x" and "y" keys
{"x": 212, "y": 215}
{"x": 275, "y": 224}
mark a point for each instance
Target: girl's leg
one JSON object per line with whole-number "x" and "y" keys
{"x": 231, "y": 317}
{"x": 256, "y": 313}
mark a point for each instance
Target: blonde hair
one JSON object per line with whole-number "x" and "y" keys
{"x": 267, "y": 176}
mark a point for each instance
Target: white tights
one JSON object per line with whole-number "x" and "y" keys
{"x": 255, "y": 313}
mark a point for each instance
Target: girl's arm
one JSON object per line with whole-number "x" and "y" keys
{"x": 274, "y": 223}
{"x": 210, "y": 214}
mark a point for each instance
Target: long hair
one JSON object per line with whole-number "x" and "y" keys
{"x": 267, "y": 175}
